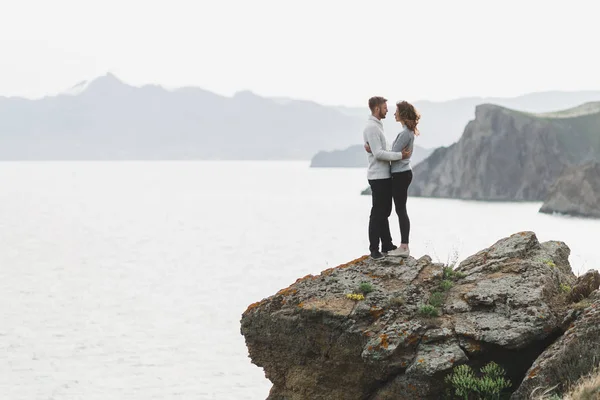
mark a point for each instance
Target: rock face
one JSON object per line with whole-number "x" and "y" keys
{"x": 505, "y": 304}
{"x": 508, "y": 155}
{"x": 576, "y": 192}
{"x": 356, "y": 157}
{"x": 585, "y": 286}
{"x": 571, "y": 357}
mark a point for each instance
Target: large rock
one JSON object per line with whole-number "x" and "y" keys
{"x": 576, "y": 192}
{"x": 315, "y": 343}
{"x": 574, "y": 355}
{"x": 585, "y": 285}
{"x": 510, "y": 155}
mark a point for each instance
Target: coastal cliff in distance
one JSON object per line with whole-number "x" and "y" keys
{"x": 508, "y": 155}
{"x": 576, "y": 192}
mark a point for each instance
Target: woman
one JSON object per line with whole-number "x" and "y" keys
{"x": 402, "y": 175}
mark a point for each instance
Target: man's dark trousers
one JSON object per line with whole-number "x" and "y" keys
{"x": 379, "y": 227}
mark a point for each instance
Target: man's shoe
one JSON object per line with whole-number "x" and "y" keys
{"x": 385, "y": 250}
{"x": 399, "y": 252}
{"x": 376, "y": 255}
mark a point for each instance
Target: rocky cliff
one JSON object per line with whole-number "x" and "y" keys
{"x": 394, "y": 329}
{"x": 576, "y": 353}
{"x": 576, "y": 192}
{"x": 508, "y": 155}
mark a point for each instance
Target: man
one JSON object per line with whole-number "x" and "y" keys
{"x": 380, "y": 178}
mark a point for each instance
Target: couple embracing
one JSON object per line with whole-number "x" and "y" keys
{"x": 389, "y": 175}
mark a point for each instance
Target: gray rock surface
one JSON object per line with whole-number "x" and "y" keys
{"x": 585, "y": 285}
{"x": 506, "y": 304}
{"x": 576, "y": 192}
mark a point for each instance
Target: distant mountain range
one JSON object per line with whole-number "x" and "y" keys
{"x": 356, "y": 157}
{"x": 107, "y": 119}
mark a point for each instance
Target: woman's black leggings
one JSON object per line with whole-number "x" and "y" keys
{"x": 400, "y": 183}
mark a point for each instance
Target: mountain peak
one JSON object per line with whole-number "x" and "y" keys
{"x": 106, "y": 84}
{"x": 108, "y": 79}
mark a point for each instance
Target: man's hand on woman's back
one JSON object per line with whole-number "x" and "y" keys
{"x": 406, "y": 152}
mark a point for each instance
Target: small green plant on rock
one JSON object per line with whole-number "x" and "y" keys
{"x": 451, "y": 274}
{"x": 466, "y": 385}
{"x": 446, "y": 285}
{"x": 436, "y": 299}
{"x": 459, "y": 275}
{"x": 565, "y": 288}
{"x": 427, "y": 310}
{"x": 448, "y": 272}
{"x": 550, "y": 263}
{"x": 365, "y": 287}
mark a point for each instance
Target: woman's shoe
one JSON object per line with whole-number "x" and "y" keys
{"x": 399, "y": 252}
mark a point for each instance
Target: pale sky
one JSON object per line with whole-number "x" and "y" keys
{"x": 331, "y": 51}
